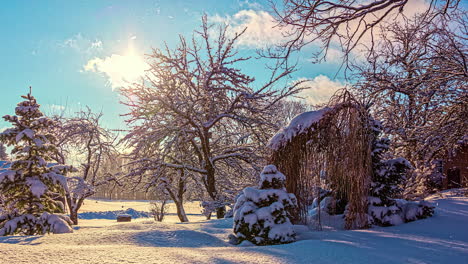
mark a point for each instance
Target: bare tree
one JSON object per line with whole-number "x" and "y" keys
{"x": 416, "y": 83}
{"x": 286, "y": 110}
{"x": 159, "y": 210}
{"x": 196, "y": 94}
{"x": 345, "y": 23}
{"x": 83, "y": 141}
{"x": 148, "y": 169}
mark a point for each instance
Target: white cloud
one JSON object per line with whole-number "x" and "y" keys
{"x": 261, "y": 28}
{"x": 82, "y": 44}
{"x": 416, "y": 7}
{"x": 334, "y": 55}
{"x": 411, "y": 9}
{"x": 319, "y": 89}
{"x": 120, "y": 70}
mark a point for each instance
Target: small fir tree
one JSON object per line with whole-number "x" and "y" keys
{"x": 31, "y": 187}
{"x": 261, "y": 216}
{"x": 388, "y": 175}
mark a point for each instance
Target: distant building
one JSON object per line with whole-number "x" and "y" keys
{"x": 455, "y": 168}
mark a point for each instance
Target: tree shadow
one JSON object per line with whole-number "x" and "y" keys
{"x": 20, "y": 240}
{"x": 178, "y": 238}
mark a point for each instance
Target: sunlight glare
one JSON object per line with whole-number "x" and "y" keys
{"x": 121, "y": 70}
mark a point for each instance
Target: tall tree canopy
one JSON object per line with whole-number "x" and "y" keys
{"x": 344, "y": 24}
{"x": 416, "y": 82}
{"x": 197, "y": 95}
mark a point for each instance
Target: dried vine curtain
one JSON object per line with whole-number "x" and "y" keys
{"x": 334, "y": 153}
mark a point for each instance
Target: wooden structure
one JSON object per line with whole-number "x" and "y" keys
{"x": 124, "y": 218}
{"x": 331, "y": 149}
{"x": 455, "y": 168}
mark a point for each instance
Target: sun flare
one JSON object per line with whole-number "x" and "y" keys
{"x": 121, "y": 70}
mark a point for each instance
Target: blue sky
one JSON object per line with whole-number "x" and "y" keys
{"x": 67, "y": 50}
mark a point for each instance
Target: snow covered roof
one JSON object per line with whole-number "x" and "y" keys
{"x": 300, "y": 124}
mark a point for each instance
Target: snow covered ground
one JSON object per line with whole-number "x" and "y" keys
{"x": 440, "y": 239}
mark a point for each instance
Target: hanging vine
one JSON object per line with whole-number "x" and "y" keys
{"x": 336, "y": 148}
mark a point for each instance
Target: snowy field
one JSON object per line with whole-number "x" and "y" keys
{"x": 440, "y": 239}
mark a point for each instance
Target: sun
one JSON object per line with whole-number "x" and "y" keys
{"x": 120, "y": 69}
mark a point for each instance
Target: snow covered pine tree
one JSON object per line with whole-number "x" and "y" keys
{"x": 388, "y": 175}
{"x": 261, "y": 216}
{"x": 31, "y": 187}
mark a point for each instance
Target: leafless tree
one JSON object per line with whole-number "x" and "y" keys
{"x": 345, "y": 23}
{"x": 149, "y": 170}
{"x": 83, "y": 141}
{"x": 286, "y": 110}
{"x": 416, "y": 83}
{"x": 195, "y": 96}
{"x": 159, "y": 209}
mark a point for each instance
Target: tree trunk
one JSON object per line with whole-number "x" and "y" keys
{"x": 179, "y": 200}
{"x": 74, "y": 217}
{"x": 181, "y": 211}
{"x": 210, "y": 173}
{"x": 220, "y": 212}
{"x": 211, "y": 188}
{"x": 74, "y": 206}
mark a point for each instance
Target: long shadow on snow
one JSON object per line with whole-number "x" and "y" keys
{"x": 178, "y": 238}
{"x": 438, "y": 239}
{"x": 20, "y": 240}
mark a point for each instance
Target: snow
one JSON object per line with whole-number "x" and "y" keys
{"x": 323, "y": 219}
{"x": 442, "y": 238}
{"x": 260, "y": 215}
{"x": 270, "y": 172}
{"x": 300, "y": 124}
{"x": 36, "y": 186}
{"x": 113, "y": 214}
{"x": 59, "y": 224}
{"x": 26, "y": 132}
{"x": 7, "y": 174}
{"x": 109, "y": 209}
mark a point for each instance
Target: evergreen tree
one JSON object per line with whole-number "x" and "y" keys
{"x": 32, "y": 188}
{"x": 261, "y": 216}
{"x": 388, "y": 175}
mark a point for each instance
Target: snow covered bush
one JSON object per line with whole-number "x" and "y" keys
{"x": 261, "y": 215}
{"x": 411, "y": 210}
{"x": 32, "y": 187}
